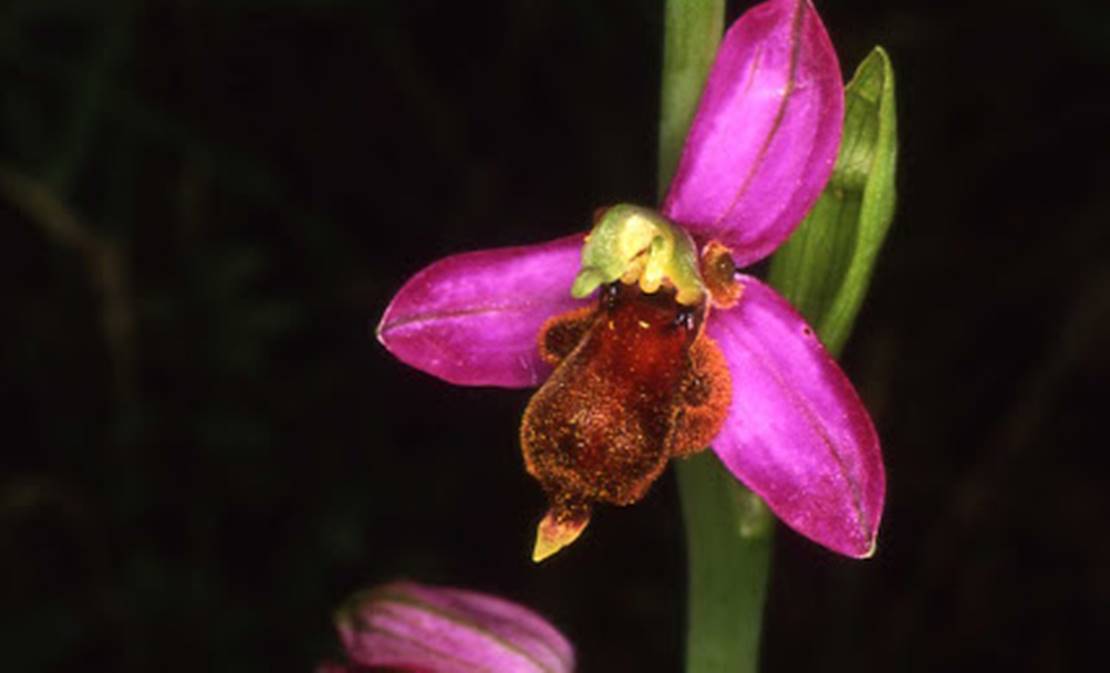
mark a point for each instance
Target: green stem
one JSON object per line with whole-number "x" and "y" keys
{"x": 728, "y": 529}
{"x": 691, "y": 32}
{"x": 728, "y": 543}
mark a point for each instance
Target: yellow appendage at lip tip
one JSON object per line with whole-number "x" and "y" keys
{"x": 553, "y": 534}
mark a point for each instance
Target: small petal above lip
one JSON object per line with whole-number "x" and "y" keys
{"x": 798, "y": 434}
{"x": 765, "y": 136}
{"x": 473, "y": 319}
{"x": 410, "y": 626}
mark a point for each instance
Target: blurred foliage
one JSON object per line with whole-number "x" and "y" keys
{"x": 206, "y": 206}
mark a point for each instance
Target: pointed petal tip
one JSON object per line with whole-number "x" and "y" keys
{"x": 861, "y": 552}
{"x": 382, "y": 332}
{"x": 860, "y": 547}
{"x": 555, "y": 532}
{"x": 856, "y": 540}
{"x": 871, "y": 550}
{"x": 379, "y": 330}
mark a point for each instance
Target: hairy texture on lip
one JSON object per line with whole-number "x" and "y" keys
{"x": 560, "y": 334}
{"x": 703, "y": 400}
{"x": 641, "y": 384}
{"x": 596, "y": 429}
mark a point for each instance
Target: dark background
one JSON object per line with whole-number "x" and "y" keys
{"x": 206, "y": 206}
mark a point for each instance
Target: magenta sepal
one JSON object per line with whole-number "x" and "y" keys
{"x": 414, "y": 627}
{"x": 797, "y": 433}
{"x": 765, "y": 136}
{"x": 473, "y": 319}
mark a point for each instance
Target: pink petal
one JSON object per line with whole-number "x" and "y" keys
{"x": 765, "y": 136}
{"x": 473, "y": 319}
{"x": 797, "y": 433}
{"x": 442, "y": 630}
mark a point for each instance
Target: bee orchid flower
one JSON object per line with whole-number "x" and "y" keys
{"x": 645, "y": 340}
{"x": 406, "y": 626}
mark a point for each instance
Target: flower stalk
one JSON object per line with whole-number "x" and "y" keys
{"x": 691, "y": 32}
{"x": 728, "y": 529}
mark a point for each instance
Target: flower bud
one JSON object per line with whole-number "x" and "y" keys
{"x": 413, "y": 627}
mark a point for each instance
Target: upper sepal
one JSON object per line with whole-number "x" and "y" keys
{"x": 473, "y": 319}
{"x": 766, "y": 132}
{"x": 797, "y": 433}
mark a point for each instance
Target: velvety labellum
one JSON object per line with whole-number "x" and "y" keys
{"x": 637, "y": 382}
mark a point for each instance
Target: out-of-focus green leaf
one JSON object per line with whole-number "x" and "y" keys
{"x": 825, "y": 267}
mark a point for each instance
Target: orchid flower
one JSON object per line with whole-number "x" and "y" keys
{"x": 405, "y": 626}
{"x": 646, "y": 341}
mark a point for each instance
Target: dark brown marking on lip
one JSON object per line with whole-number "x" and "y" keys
{"x": 641, "y": 384}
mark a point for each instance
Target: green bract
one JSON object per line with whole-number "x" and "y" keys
{"x": 825, "y": 267}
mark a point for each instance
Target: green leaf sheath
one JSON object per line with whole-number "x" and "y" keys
{"x": 825, "y": 267}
